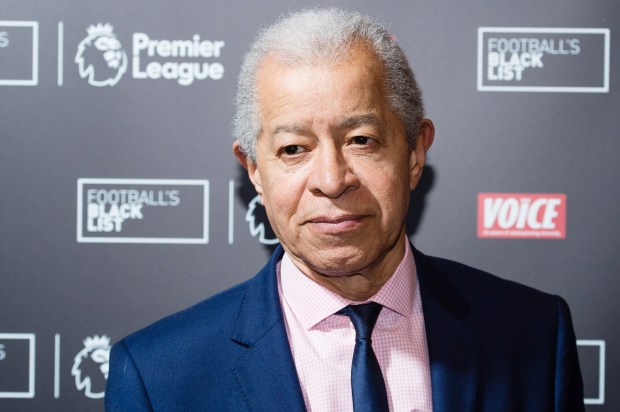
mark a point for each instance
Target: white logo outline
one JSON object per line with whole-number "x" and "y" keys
{"x": 604, "y": 88}
{"x": 34, "y": 80}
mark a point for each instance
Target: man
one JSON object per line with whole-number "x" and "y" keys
{"x": 331, "y": 131}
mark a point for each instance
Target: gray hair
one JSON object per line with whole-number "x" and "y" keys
{"x": 325, "y": 35}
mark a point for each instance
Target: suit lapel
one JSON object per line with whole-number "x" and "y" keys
{"x": 266, "y": 371}
{"x": 453, "y": 347}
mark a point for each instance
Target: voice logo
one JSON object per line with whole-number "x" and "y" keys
{"x": 522, "y": 215}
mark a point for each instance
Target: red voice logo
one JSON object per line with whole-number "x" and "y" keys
{"x": 522, "y": 215}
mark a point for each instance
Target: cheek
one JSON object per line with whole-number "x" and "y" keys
{"x": 389, "y": 186}
{"x": 281, "y": 197}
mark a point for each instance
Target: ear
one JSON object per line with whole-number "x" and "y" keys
{"x": 249, "y": 165}
{"x": 417, "y": 157}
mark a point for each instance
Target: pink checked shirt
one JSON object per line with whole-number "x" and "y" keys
{"x": 322, "y": 342}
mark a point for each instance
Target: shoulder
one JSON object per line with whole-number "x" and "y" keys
{"x": 480, "y": 295}
{"x": 189, "y": 352}
{"x": 523, "y": 337}
{"x": 209, "y": 324}
{"x": 192, "y": 346}
{"x": 212, "y": 318}
{"x": 480, "y": 284}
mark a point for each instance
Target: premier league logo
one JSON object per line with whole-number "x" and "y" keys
{"x": 100, "y": 56}
{"x": 259, "y": 224}
{"x": 90, "y": 366}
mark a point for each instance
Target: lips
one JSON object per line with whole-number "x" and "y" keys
{"x": 335, "y": 224}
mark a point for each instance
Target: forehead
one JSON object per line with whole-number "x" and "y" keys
{"x": 358, "y": 54}
{"x": 327, "y": 84}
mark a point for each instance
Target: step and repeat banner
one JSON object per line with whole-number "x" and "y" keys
{"x": 122, "y": 202}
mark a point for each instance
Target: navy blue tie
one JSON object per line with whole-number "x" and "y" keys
{"x": 367, "y": 384}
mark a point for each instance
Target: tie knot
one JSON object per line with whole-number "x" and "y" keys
{"x": 363, "y": 318}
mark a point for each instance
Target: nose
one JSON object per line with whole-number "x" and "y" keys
{"x": 331, "y": 174}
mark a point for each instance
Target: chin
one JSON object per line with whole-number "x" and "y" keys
{"x": 347, "y": 260}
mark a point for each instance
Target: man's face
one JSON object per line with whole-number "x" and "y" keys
{"x": 333, "y": 167}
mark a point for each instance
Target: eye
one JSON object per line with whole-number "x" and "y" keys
{"x": 361, "y": 140}
{"x": 292, "y": 149}
{"x": 292, "y": 153}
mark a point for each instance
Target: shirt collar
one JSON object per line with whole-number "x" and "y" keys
{"x": 311, "y": 303}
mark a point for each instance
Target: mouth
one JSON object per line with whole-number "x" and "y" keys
{"x": 335, "y": 224}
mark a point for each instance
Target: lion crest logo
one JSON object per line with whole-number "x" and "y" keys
{"x": 100, "y": 56}
{"x": 259, "y": 224}
{"x": 90, "y": 366}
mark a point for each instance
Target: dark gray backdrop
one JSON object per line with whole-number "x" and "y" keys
{"x": 163, "y": 140}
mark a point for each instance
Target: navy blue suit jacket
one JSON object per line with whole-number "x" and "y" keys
{"x": 494, "y": 345}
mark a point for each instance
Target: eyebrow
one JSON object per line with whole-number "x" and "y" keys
{"x": 347, "y": 123}
{"x": 360, "y": 120}
{"x": 292, "y": 129}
